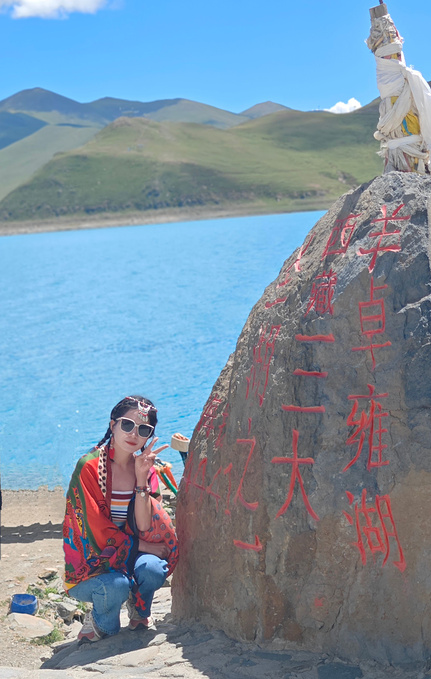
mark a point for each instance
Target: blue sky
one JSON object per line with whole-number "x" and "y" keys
{"x": 231, "y": 54}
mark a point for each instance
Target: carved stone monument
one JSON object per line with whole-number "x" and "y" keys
{"x": 304, "y": 511}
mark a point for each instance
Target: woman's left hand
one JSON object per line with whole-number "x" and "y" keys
{"x": 145, "y": 461}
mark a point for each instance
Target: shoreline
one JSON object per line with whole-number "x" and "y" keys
{"x": 153, "y": 217}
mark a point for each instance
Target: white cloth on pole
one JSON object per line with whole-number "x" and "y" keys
{"x": 395, "y": 79}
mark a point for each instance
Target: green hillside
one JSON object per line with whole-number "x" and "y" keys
{"x": 15, "y": 126}
{"x": 284, "y": 161}
{"x": 20, "y": 160}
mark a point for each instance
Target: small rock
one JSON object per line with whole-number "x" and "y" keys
{"x": 142, "y": 656}
{"x": 73, "y": 630}
{"x": 158, "y": 640}
{"x": 66, "y": 610}
{"x": 48, "y": 573}
{"x": 29, "y": 626}
{"x": 54, "y": 597}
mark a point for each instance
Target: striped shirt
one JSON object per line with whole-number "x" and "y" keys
{"x": 119, "y": 503}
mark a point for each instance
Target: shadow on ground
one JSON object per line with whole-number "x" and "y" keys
{"x": 37, "y": 531}
{"x": 193, "y": 651}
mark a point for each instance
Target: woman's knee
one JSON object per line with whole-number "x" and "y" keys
{"x": 150, "y": 571}
{"x": 113, "y": 588}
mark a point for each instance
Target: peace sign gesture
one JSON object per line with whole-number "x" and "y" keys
{"x": 145, "y": 460}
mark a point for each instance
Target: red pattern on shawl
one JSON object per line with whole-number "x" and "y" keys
{"x": 162, "y": 530}
{"x": 93, "y": 544}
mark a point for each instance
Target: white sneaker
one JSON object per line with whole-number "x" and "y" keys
{"x": 89, "y": 631}
{"x": 135, "y": 620}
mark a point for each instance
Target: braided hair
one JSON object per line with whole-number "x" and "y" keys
{"x": 130, "y": 403}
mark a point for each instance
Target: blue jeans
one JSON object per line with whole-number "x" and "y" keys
{"x": 107, "y": 592}
{"x": 149, "y": 575}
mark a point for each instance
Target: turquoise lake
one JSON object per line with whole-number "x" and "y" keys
{"x": 90, "y": 316}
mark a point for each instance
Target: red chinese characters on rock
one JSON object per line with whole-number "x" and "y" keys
{"x": 295, "y": 461}
{"x": 368, "y": 427}
{"x": 263, "y": 352}
{"x": 376, "y": 524}
{"x": 322, "y": 292}
{"x": 238, "y": 495}
{"x": 222, "y": 431}
{"x": 296, "y": 264}
{"x": 373, "y": 321}
{"x": 208, "y": 416}
{"x": 197, "y": 480}
{"x": 256, "y": 547}
{"x": 341, "y": 235}
{"x": 387, "y": 241}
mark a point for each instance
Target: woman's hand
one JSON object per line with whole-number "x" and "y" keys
{"x": 145, "y": 461}
{"x": 159, "y": 549}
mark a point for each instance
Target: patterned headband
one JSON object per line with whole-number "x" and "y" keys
{"x": 143, "y": 408}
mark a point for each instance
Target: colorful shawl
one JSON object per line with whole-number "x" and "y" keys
{"x": 92, "y": 543}
{"x": 161, "y": 530}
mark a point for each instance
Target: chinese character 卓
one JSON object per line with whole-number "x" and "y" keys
{"x": 373, "y": 321}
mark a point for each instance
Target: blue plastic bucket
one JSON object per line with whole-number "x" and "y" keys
{"x": 24, "y": 603}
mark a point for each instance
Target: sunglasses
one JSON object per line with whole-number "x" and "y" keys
{"x": 144, "y": 430}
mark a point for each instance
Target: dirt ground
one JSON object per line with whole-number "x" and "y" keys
{"x": 31, "y": 540}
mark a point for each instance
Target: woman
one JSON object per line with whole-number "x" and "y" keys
{"x": 119, "y": 542}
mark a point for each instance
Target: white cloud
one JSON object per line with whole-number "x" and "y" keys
{"x": 341, "y": 107}
{"x": 50, "y": 9}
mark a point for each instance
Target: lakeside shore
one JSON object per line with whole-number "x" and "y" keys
{"x": 162, "y": 216}
{"x": 32, "y": 541}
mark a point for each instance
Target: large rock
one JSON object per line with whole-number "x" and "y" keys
{"x": 303, "y": 514}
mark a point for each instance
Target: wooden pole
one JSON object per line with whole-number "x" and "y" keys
{"x": 379, "y": 11}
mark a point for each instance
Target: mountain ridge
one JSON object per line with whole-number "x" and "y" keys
{"x": 106, "y": 109}
{"x": 283, "y": 161}
{"x": 177, "y": 156}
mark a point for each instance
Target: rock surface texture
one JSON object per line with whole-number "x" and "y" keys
{"x": 303, "y": 513}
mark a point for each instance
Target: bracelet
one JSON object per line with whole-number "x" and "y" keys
{"x": 143, "y": 490}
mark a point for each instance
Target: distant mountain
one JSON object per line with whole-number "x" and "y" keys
{"x": 111, "y": 108}
{"x": 279, "y": 162}
{"x": 38, "y": 100}
{"x": 264, "y": 109}
{"x": 24, "y": 114}
{"x": 56, "y": 109}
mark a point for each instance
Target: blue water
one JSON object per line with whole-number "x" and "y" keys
{"x": 90, "y": 316}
